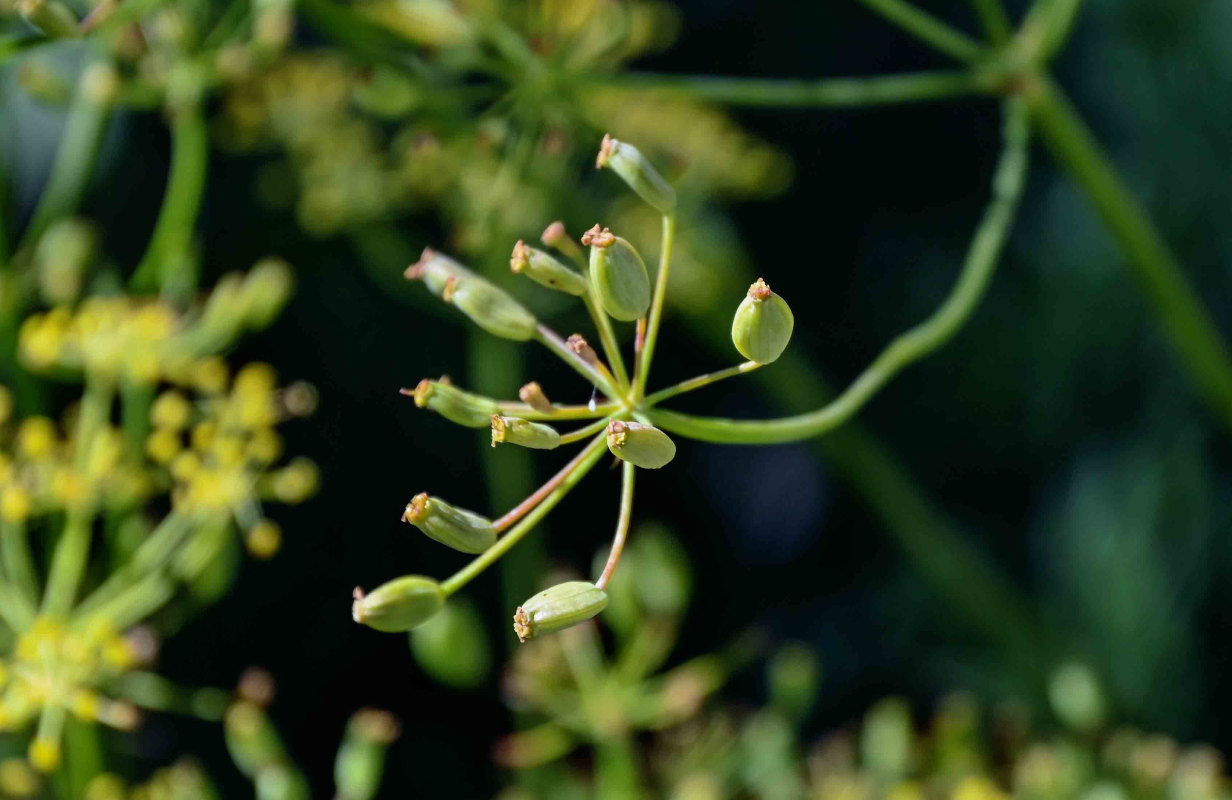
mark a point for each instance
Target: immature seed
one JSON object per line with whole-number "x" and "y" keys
{"x": 561, "y": 606}
{"x": 399, "y": 605}
{"x": 762, "y": 326}
{"x": 464, "y": 531}
{"x": 641, "y": 445}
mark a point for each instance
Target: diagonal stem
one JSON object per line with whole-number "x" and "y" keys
{"x": 927, "y": 28}
{"x": 553, "y": 342}
{"x": 556, "y": 481}
{"x": 908, "y": 347}
{"x": 588, "y": 458}
{"x": 692, "y": 384}
{"x": 646, "y": 351}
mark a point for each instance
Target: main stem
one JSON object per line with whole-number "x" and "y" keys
{"x": 628, "y": 472}
{"x": 982, "y": 257}
{"x": 1185, "y": 322}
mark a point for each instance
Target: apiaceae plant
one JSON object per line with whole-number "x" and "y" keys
{"x": 622, "y": 417}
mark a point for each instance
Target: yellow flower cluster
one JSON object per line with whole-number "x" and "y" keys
{"x": 55, "y": 670}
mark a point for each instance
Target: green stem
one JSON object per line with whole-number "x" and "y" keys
{"x": 993, "y": 18}
{"x": 1177, "y": 306}
{"x": 16, "y": 611}
{"x": 908, "y": 347}
{"x": 927, "y": 28}
{"x": 153, "y": 554}
{"x": 584, "y": 432}
{"x": 553, "y": 342}
{"x": 70, "y": 173}
{"x": 692, "y": 384}
{"x": 173, "y": 232}
{"x": 642, "y": 369}
{"x": 593, "y": 452}
{"x": 607, "y": 336}
{"x": 558, "y": 412}
{"x": 18, "y": 562}
{"x": 823, "y": 93}
{"x": 627, "y": 475}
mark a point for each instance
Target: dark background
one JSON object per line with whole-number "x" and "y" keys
{"x": 1056, "y": 432}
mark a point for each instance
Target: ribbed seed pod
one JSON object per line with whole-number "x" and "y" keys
{"x": 545, "y": 270}
{"x": 435, "y": 269}
{"x": 641, "y": 445}
{"x": 491, "y": 308}
{"x": 535, "y": 435}
{"x": 762, "y": 326}
{"x": 399, "y": 605}
{"x": 454, "y": 404}
{"x": 618, "y": 275}
{"x": 464, "y": 531}
{"x": 636, "y": 170}
{"x": 559, "y": 607}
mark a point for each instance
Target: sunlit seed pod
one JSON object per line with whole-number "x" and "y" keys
{"x": 399, "y": 605}
{"x": 636, "y": 170}
{"x": 491, "y": 308}
{"x": 535, "y": 435}
{"x": 561, "y": 606}
{"x": 454, "y": 404}
{"x": 762, "y": 326}
{"x": 532, "y": 395}
{"x": 435, "y": 269}
{"x": 545, "y": 270}
{"x": 641, "y": 445}
{"x": 618, "y": 275}
{"x": 361, "y": 757}
{"x": 454, "y": 527}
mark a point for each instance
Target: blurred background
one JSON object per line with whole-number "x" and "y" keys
{"x": 1045, "y": 500}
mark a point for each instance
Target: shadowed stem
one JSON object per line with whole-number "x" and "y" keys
{"x": 982, "y": 257}
{"x": 927, "y": 28}
{"x": 1177, "y": 305}
{"x": 822, "y": 93}
{"x": 993, "y": 18}
{"x": 580, "y": 466}
{"x": 646, "y": 351}
{"x": 628, "y": 472}
{"x": 556, "y": 481}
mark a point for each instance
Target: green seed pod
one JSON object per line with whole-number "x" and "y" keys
{"x": 762, "y": 326}
{"x": 535, "y": 435}
{"x": 281, "y": 782}
{"x": 251, "y": 739}
{"x": 399, "y": 605}
{"x": 636, "y": 170}
{"x": 641, "y": 445}
{"x": 435, "y": 270}
{"x": 490, "y": 308}
{"x": 618, "y": 275}
{"x": 559, "y": 607}
{"x": 453, "y": 646}
{"x": 454, "y": 404}
{"x": 545, "y": 270}
{"x": 462, "y": 530}
{"x": 361, "y": 757}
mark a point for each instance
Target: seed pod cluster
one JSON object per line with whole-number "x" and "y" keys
{"x": 458, "y": 406}
{"x": 399, "y": 605}
{"x": 464, "y": 531}
{"x": 488, "y": 306}
{"x": 641, "y": 445}
{"x": 562, "y": 606}
{"x": 535, "y": 435}
{"x": 636, "y": 170}
{"x": 618, "y": 275}
{"x": 762, "y": 326}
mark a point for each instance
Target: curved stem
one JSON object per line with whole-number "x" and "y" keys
{"x": 172, "y": 237}
{"x": 803, "y": 93}
{"x": 578, "y": 469}
{"x": 927, "y": 29}
{"x": 534, "y": 499}
{"x": 909, "y": 347}
{"x": 553, "y": 342}
{"x": 646, "y": 351}
{"x": 693, "y": 384}
{"x": 628, "y": 471}
{"x": 1177, "y": 305}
